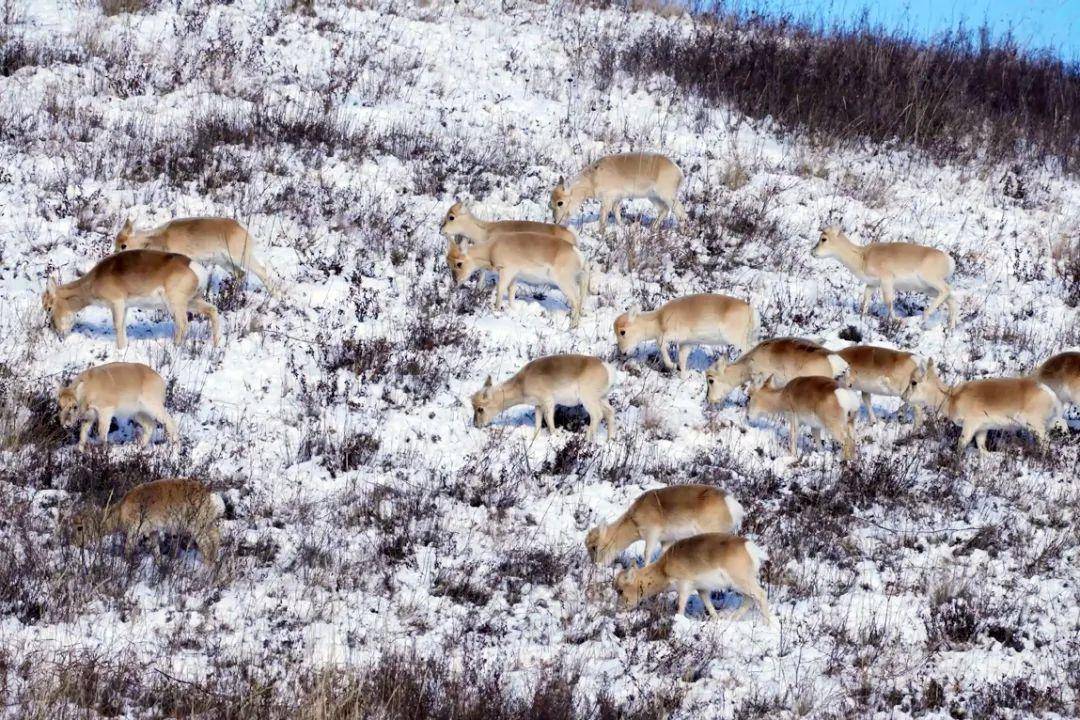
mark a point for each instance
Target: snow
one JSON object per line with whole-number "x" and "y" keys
{"x": 512, "y": 87}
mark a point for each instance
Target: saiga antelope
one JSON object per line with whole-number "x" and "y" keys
{"x": 615, "y": 178}
{"x": 782, "y": 358}
{"x": 704, "y": 319}
{"x": 460, "y": 221}
{"x": 892, "y": 267}
{"x": 820, "y": 402}
{"x": 127, "y": 389}
{"x": 219, "y": 241}
{"x": 529, "y": 257}
{"x": 706, "y": 562}
{"x": 132, "y": 277}
{"x": 662, "y": 516}
{"x": 876, "y": 370}
{"x": 979, "y": 406}
{"x": 161, "y": 506}
{"x": 566, "y": 380}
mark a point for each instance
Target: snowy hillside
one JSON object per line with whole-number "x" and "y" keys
{"x": 380, "y": 546}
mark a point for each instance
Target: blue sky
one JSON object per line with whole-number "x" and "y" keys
{"x": 1036, "y": 24}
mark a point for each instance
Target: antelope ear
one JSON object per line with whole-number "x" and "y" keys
{"x": 51, "y": 285}
{"x": 127, "y": 226}
{"x": 931, "y": 369}
{"x": 562, "y": 180}
{"x": 487, "y": 383}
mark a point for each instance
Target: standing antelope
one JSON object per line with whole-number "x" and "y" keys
{"x": 161, "y": 506}
{"x": 783, "y": 358}
{"x": 820, "y": 402}
{"x": 991, "y": 404}
{"x": 615, "y": 178}
{"x": 132, "y": 277}
{"x": 706, "y": 562}
{"x": 688, "y": 321}
{"x": 1061, "y": 373}
{"x": 529, "y": 257}
{"x": 892, "y": 267}
{"x": 876, "y": 370}
{"x": 219, "y": 241}
{"x": 126, "y": 389}
{"x": 549, "y": 381}
{"x": 459, "y": 221}
{"x": 662, "y": 516}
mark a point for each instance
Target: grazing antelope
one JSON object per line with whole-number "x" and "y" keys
{"x": 820, "y": 402}
{"x": 876, "y": 370}
{"x": 615, "y": 178}
{"x": 161, "y": 506}
{"x": 549, "y": 381}
{"x": 127, "y": 389}
{"x": 219, "y": 241}
{"x": 529, "y": 257}
{"x": 1061, "y": 373}
{"x": 460, "y": 221}
{"x": 979, "y": 406}
{"x": 892, "y": 267}
{"x": 783, "y": 358}
{"x": 662, "y": 516}
{"x": 706, "y": 562}
{"x": 704, "y": 319}
{"x": 132, "y": 277}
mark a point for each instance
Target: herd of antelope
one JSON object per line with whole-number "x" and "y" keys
{"x": 694, "y": 525}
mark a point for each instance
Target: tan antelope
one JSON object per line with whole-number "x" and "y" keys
{"x": 820, "y": 402}
{"x": 704, "y": 319}
{"x": 1061, "y": 373}
{"x": 876, "y": 370}
{"x": 662, "y": 516}
{"x": 566, "y": 380}
{"x": 979, "y": 406}
{"x": 217, "y": 241}
{"x": 529, "y": 257}
{"x": 782, "y": 358}
{"x": 460, "y": 221}
{"x": 615, "y": 178}
{"x": 706, "y": 562}
{"x": 126, "y": 389}
{"x": 163, "y": 506}
{"x": 132, "y": 277}
{"x": 892, "y": 267}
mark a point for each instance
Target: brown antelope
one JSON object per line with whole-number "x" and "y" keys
{"x": 529, "y": 257}
{"x": 662, "y": 516}
{"x": 161, "y": 506}
{"x": 1061, "y": 373}
{"x": 706, "y": 562}
{"x": 615, "y": 178}
{"x": 127, "y": 389}
{"x": 566, "y": 380}
{"x": 460, "y": 221}
{"x": 876, "y": 370}
{"x": 979, "y": 406}
{"x": 820, "y": 402}
{"x": 704, "y": 319}
{"x": 783, "y": 358}
{"x": 892, "y": 267}
{"x": 218, "y": 241}
{"x": 132, "y": 277}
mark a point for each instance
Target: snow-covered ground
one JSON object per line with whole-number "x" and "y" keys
{"x": 370, "y": 515}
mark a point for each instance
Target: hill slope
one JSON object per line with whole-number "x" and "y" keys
{"x": 374, "y": 526}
